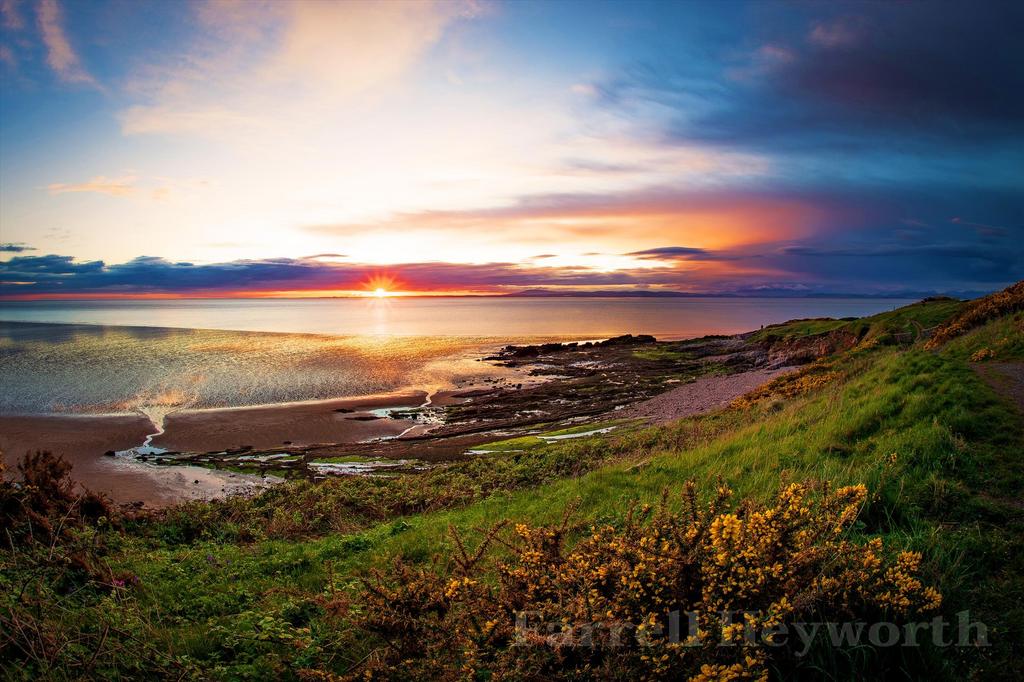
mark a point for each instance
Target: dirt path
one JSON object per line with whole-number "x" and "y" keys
{"x": 703, "y": 395}
{"x": 1006, "y": 378}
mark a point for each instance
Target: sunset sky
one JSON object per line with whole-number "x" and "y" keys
{"x": 308, "y": 148}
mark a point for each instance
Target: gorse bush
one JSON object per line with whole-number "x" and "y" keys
{"x": 977, "y": 313}
{"x": 701, "y": 593}
{"x": 790, "y": 385}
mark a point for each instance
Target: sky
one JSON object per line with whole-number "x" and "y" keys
{"x": 159, "y": 148}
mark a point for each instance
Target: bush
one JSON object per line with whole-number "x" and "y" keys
{"x": 43, "y": 506}
{"x": 792, "y": 385}
{"x": 977, "y": 313}
{"x": 605, "y": 608}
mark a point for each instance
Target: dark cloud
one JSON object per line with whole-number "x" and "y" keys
{"x": 938, "y": 265}
{"x": 48, "y": 267}
{"x": 880, "y": 265}
{"x": 670, "y": 253}
{"x": 20, "y": 247}
{"x": 917, "y": 64}
{"x": 982, "y": 229}
{"x": 601, "y": 167}
{"x": 54, "y": 274}
{"x": 886, "y": 77}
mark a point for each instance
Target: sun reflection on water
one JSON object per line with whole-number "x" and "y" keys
{"x": 158, "y": 371}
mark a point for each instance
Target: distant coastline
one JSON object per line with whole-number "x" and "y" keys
{"x": 532, "y": 293}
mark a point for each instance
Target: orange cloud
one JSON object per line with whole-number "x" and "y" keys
{"x": 630, "y": 222}
{"x": 115, "y": 187}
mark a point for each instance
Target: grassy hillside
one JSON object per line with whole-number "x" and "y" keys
{"x": 907, "y": 322}
{"x": 271, "y": 587}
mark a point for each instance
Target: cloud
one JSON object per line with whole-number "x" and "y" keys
{"x": 8, "y": 58}
{"x": 971, "y": 265}
{"x": 49, "y": 267}
{"x": 19, "y": 247}
{"x": 982, "y": 229}
{"x": 265, "y": 64}
{"x": 11, "y": 13}
{"x": 896, "y": 77}
{"x": 54, "y": 274}
{"x": 60, "y": 55}
{"x": 878, "y": 263}
{"x": 115, "y": 187}
{"x": 672, "y": 253}
{"x": 714, "y": 217}
{"x": 839, "y": 33}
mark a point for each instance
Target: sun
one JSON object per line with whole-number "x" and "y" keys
{"x": 381, "y": 285}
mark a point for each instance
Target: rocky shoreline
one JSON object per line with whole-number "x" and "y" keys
{"x": 575, "y": 383}
{"x": 552, "y": 387}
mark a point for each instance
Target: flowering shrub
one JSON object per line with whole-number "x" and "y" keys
{"x": 982, "y": 355}
{"x": 705, "y": 593}
{"x": 1009, "y": 300}
{"x": 789, "y": 386}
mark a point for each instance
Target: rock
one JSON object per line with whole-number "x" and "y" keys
{"x": 628, "y": 340}
{"x": 110, "y": 453}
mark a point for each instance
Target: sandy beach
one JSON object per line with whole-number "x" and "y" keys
{"x": 83, "y": 440}
{"x": 79, "y": 438}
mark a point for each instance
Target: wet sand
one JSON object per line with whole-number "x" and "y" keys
{"x": 83, "y": 440}
{"x": 79, "y": 438}
{"x": 271, "y": 425}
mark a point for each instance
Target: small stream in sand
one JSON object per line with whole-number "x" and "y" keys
{"x": 199, "y": 482}
{"x": 187, "y": 481}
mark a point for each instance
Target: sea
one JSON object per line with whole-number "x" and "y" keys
{"x": 83, "y": 357}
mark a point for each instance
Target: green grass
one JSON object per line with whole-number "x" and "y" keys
{"x": 1005, "y": 336}
{"x": 522, "y": 443}
{"x": 797, "y": 329}
{"x": 907, "y": 320}
{"x": 343, "y": 459}
{"x": 662, "y": 353}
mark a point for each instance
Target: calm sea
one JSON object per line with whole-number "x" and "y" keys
{"x": 491, "y": 317}
{"x": 119, "y": 356}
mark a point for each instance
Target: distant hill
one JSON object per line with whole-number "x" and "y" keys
{"x": 631, "y": 293}
{"x": 759, "y": 293}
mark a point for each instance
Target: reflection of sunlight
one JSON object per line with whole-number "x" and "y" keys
{"x": 381, "y": 317}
